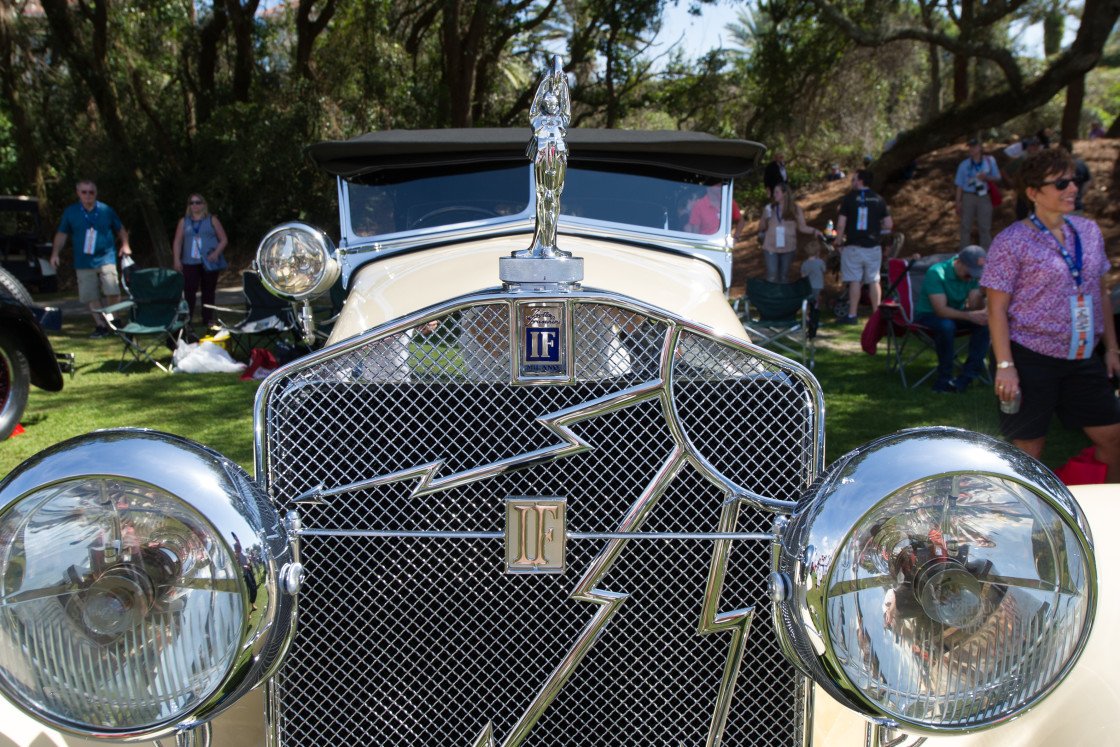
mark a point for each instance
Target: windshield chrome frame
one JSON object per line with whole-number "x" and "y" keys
{"x": 355, "y": 251}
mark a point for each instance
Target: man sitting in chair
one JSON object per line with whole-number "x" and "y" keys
{"x": 951, "y": 301}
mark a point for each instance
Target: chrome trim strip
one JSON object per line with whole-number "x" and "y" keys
{"x": 751, "y": 536}
{"x": 737, "y": 621}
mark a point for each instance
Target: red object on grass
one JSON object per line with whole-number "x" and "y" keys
{"x": 1083, "y": 469}
{"x": 17, "y": 431}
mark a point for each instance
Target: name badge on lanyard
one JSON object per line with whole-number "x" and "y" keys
{"x": 196, "y": 244}
{"x": 780, "y": 237}
{"x": 1080, "y": 308}
{"x": 861, "y": 212}
{"x": 90, "y": 245}
{"x": 1081, "y": 322}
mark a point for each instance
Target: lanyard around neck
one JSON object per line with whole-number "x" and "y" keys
{"x": 1073, "y": 263}
{"x": 90, "y": 215}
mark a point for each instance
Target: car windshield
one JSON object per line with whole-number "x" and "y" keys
{"x": 390, "y": 202}
{"x": 18, "y": 221}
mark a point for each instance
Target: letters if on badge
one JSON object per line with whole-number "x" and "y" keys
{"x": 535, "y": 535}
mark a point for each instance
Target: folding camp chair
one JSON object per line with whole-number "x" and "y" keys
{"x": 781, "y": 316}
{"x": 907, "y": 341}
{"x": 156, "y": 311}
{"x": 266, "y": 318}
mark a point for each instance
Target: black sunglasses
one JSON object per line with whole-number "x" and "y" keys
{"x": 1061, "y": 184}
{"x": 195, "y": 202}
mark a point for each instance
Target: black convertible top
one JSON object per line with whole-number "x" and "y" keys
{"x": 695, "y": 152}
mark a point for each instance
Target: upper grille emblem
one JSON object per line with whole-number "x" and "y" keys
{"x": 535, "y": 534}
{"x": 542, "y": 337}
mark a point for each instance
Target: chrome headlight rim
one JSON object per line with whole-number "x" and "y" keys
{"x": 320, "y": 281}
{"x": 807, "y": 560}
{"x": 219, "y": 493}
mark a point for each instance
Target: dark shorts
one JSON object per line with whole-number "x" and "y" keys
{"x": 1078, "y": 391}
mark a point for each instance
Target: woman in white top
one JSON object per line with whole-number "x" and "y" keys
{"x": 781, "y": 221}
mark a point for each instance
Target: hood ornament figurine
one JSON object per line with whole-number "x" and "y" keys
{"x": 544, "y": 263}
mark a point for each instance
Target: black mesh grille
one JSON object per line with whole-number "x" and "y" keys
{"x": 426, "y": 640}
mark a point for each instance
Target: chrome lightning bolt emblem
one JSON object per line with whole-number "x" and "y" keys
{"x": 737, "y": 622}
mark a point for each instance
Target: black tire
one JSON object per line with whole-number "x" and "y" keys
{"x": 15, "y": 383}
{"x": 13, "y": 288}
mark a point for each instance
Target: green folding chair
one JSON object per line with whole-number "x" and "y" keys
{"x": 156, "y": 315}
{"x": 780, "y": 316}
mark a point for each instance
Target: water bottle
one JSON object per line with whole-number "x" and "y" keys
{"x": 1011, "y": 406}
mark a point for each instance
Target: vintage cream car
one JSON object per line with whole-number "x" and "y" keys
{"x": 540, "y": 489}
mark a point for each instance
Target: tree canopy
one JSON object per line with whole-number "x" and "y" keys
{"x": 157, "y": 98}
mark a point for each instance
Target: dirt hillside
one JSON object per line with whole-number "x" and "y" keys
{"x": 922, "y": 207}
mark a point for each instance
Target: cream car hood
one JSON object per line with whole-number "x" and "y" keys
{"x": 404, "y": 283}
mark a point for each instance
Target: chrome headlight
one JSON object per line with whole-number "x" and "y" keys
{"x": 139, "y": 584}
{"x": 936, "y": 580}
{"x": 297, "y": 261}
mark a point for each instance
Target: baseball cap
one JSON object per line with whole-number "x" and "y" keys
{"x": 974, "y": 141}
{"x": 974, "y": 258}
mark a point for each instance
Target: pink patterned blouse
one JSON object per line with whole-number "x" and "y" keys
{"x": 1027, "y": 264}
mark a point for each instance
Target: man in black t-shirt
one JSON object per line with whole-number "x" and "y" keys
{"x": 863, "y": 219}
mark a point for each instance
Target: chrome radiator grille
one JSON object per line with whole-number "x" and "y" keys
{"x": 414, "y": 633}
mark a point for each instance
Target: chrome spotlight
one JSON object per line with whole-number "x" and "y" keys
{"x": 936, "y": 580}
{"x": 139, "y": 585}
{"x": 297, "y": 261}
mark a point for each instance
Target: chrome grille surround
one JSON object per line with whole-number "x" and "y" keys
{"x": 399, "y": 448}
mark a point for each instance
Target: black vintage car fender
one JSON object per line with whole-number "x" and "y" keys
{"x": 18, "y": 322}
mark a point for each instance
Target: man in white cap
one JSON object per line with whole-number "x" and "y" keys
{"x": 951, "y": 301}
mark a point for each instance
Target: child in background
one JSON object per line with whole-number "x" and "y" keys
{"x": 813, "y": 268}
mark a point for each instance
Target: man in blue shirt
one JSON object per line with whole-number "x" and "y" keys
{"x": 93, "y": 228}
{"x": 951, "y": 300}
{"x": 975, "y": 174}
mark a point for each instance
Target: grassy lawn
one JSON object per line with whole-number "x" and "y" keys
{"x": 214, "y": 409}
{"x": 862, "y": 401}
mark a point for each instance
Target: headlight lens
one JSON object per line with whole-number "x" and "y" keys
{"x": 140, "y": 584}
{"x": 297, "y": 261}
{"x": 100, "y": 575}
{"x": 945, "y": 602}
{"x": 957, "y": 600}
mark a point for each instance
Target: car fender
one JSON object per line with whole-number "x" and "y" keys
{"x": 405, "y": 283}
{"x": 18, "y": 321}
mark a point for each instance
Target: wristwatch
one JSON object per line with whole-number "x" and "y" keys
{"x": 1005, "y": 364}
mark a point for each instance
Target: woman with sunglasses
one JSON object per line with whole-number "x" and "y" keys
{"x": 198, "y": 250}
{"x": 1047, "y": 309}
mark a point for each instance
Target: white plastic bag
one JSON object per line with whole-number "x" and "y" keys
{"x": 204, "y": 357}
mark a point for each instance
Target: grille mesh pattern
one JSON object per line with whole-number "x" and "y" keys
{"x": 418, "y": 640}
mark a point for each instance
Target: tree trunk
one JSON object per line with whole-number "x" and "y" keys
{"x": 242, "y": 18}
{"x": 960, "y": 61}
{"x": 1071, "y": 115}
{"x": 307, "y": 31}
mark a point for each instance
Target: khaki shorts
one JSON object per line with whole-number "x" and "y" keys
{"x": 95, "y": 282}
{"x": 860, "y": 263}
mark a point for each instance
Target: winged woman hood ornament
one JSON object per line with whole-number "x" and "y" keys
{"x": 543, "y": 262}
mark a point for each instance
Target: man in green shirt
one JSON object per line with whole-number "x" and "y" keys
{"x": 951, "y": 302}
